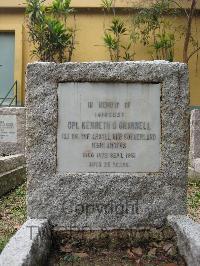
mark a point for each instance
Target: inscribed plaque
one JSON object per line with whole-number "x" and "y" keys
{"x": 8, "y": 128}
{"x": 108, "y": 127}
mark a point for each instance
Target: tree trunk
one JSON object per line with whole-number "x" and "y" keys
{"x": 188, "y": 31}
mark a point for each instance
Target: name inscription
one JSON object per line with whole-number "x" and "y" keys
{"x": 8, "y": 128}
{"x": 106, "y": 127}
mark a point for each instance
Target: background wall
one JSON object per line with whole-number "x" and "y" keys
{"x": 89, "y": 38}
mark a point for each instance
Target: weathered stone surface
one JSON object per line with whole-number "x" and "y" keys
{"x": 194, "y": 170}
{"x": 12, "y": 172}
{"x": 11, "y": 162}
{"x": 196, "y": 164}
{"x": 8, "y": 128}
{"x": 8, "y": 148}
{"x": 188, "y": 234}
{"x": 193, "y": 175}
{"x": 100, "y": 200}
{"x": 194, "y": 135}
{"x": 9, "y": 180}
{"x": 30, "y": 246}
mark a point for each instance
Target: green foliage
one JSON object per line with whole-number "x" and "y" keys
{"x": 70, "y": 258}
{"x": 107, "y": 4}
{"x": 4, "y": 241}
{"x": 12, "y": 213}
{"x": 110, "y": 42}
{"x": 128, "y": 56}
{"x": 163, "y": 47}
{"x": 194, "y": 197}
{"x": 155, "y": 31}
{"x": 113, "y": 36}
{"x": 52, "y": 39}
{"x": 61, "y": 7}
{"x": 117, "y": 27}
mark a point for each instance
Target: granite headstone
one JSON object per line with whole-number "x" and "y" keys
{"x": 107, "y": 143}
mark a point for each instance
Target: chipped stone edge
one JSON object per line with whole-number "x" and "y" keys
{"x": 188, "y": 236}
{"x": 11, "y": 162}
{"x": 29, "y": 246}
{"x": 12, "y": 172}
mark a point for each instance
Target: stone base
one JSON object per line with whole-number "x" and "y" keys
{"x": 29, "y": 246}
{"x": 8, "y": 163}
{"x": 12, "y": 172}
{"x": 32, "y": 243}
{"x": 188, "y": 235}
{"x": 194, "y": 170}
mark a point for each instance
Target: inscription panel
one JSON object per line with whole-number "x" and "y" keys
{"x": 108, "y": 127}
{"x": 8, "y": 128}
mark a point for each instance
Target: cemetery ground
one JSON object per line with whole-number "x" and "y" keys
{"x": 13, "y": 215}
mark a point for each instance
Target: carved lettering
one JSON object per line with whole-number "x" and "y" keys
{"x": 117, "y": 130}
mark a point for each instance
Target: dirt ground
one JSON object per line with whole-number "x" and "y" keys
{"x": 152, "y": 254}
{"x": 12, "y": 213}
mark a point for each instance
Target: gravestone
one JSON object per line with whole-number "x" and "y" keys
{"x": 195, "y": 134}
{"x": 194, "y": 164}
{"x": 8, "y": 128}
{"x": 107, "y": 143}
{"x": 12, "y": 148}
{"x": 12, "y": 130}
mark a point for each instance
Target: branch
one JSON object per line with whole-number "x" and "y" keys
{"x": 194, "y": 52}
{"x": 179, "y": 5}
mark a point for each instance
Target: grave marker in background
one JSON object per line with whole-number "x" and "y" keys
{"x": 8, "y": 128}
{"x": 12, "y": 148}
{"x": 12, "y": 130}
